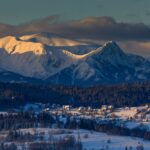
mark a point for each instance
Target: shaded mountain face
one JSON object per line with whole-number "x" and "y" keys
{"x": 108, "y": 64}
{"x": 54, "y": 59}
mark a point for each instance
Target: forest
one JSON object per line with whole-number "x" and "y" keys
{"x": 119, "y": 95}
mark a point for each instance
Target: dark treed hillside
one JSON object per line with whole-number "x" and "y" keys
{"x": 118, "y": 95}
{"x": 12, "y": 95}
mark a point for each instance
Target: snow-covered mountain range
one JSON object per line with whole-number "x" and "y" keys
{"x": 51, "y": 58}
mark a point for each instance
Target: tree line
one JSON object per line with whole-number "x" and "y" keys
{"x": 135, "y": 94}
{"x": 25, "y": 120}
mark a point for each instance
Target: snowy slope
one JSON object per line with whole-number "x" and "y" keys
{"x": 95, "y": 140}
{"x": 33, "y": 59}
{"x": 107, "y": 64}
{"x": 52, "y": 58}
{"x": 6, "y": 76}
{"x": 61, "y": 42}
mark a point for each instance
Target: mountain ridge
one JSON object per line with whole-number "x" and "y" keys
{"x": 57, "y": 65}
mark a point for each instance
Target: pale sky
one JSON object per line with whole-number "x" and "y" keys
{"x": 21, "y": 11}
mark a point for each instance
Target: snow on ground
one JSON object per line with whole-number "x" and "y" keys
{"x": 99, "y": 140}
{"x": 95, "y": 140}
{"x": 132, "y": 125}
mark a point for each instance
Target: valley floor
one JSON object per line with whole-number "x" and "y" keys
{"x": 106, "y": 128}
{"x": 90, "y": 140}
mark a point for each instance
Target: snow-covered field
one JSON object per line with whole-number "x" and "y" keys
{"x": 127, "y": 117}
{"x": 100, "y": 140}
{"x": 95, "y": 140}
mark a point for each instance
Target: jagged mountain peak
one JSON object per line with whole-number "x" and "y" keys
{"x": 111, "y": 48}
{"x": 111, "y": 43}
{"x": 112, "y": 53}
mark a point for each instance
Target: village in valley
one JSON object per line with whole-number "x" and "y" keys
{"x": 128, "y": 116}
{"x": 104, "y": 128}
